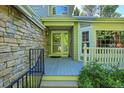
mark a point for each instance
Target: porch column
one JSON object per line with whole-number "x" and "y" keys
{"x": 75, "y": 41}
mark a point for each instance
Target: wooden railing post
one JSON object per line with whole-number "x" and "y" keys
{"x": 85, "y": 54}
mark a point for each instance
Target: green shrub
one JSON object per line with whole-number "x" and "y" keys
{"x": 95, "y": 75}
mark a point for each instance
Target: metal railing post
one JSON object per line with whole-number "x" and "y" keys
{"x": 43, "y": 63}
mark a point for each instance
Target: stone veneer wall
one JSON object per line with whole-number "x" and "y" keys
{"x": 17, "y": 35}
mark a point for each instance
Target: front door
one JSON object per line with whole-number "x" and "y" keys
{"x": 84, "y": 38}
{"x": 59, "y": 43}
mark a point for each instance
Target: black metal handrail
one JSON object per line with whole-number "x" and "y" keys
{"x": 33, "y": 77}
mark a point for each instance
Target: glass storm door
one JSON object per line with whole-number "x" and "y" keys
{"x": 60, "y": 43}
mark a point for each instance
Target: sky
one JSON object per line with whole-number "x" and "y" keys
{"x": 121, "y": 10}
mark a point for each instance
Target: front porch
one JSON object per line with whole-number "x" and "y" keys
{"x": 62, "y": 36}
{"x": 62, "y": 66}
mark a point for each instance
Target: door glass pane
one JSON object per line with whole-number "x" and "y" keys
{"x": 85, "y": 40}
{"x": 56, "y": 48}
{"x": 65, "y": 42}
{"x": 56, "y": 42}
{"x": 56, "y": 38}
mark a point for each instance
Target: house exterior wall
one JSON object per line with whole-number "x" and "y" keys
{"x": 71, "y": 47}
{"x": 41, "y": 10}
{"x": 17, "y": 35}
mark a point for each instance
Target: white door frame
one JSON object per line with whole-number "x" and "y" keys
{"x": 83, "y": 29}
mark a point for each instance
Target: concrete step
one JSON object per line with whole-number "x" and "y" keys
{"x": 59, "y": 84}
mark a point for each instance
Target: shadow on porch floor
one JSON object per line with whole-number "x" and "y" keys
{"x": 62, "y": 66}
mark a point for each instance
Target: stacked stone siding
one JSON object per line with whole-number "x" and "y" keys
{"x": 17, "y": 35}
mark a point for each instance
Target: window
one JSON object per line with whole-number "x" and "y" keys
{"x": 85, "y": 39}
{"x": 110, "y": 38}
{"x": 60, "y": 10}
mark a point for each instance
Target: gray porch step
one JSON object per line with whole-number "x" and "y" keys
{"x": 59, "y": 84}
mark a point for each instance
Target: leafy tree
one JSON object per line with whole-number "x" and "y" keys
{"x": 90, "y": 10}
{"x": 76, "y": 12}
{"x": 101, "y": 10}
{"x": 108, "y": 11}
{"x": 116, "y": 15}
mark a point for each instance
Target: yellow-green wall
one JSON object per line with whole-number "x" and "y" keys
{"x": 75, "y": 43}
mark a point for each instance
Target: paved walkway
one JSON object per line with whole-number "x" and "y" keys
{"x": 62, "y": 66}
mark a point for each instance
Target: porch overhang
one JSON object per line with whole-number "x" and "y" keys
{"x": 59, "y": 18}
{"x": 66, "y": 28}
{"x": 58, "y": 21}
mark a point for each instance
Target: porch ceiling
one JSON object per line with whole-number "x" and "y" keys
{"x": 59, "y": 27}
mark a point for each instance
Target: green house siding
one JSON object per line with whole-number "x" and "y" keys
{"x": 49, "y": 41}
{"x": 109, "y": 19}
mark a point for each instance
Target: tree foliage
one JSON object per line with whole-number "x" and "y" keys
{"x": 101, "y": 10}
{"x": 109, "y": 11}
{"x": 90, "y": 10}
{"x": 76, "y": 12}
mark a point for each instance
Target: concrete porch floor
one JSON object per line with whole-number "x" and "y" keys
{"x": 62, "y": 66}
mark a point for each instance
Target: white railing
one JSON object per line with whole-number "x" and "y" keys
{"x": 112, "y": 56}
